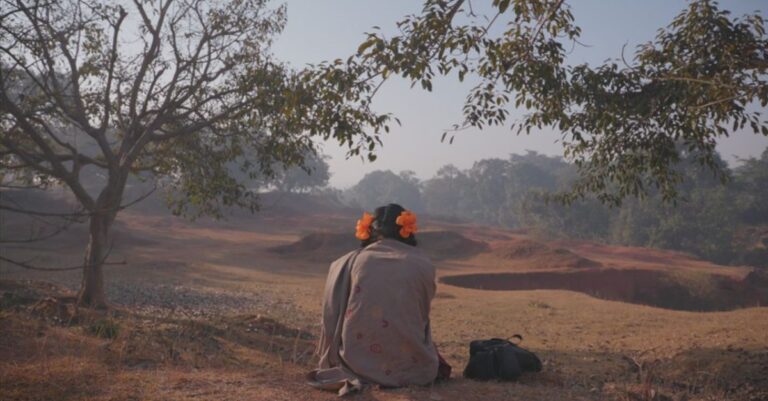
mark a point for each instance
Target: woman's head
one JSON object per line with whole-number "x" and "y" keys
{"x": 385, "y": 224}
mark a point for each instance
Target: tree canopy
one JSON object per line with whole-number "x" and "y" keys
{"x": 313, "y": 173}
{"x": 379, "y": 188}
{"x": 623, "y": 123}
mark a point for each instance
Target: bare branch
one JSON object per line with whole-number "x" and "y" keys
{"x": 139, "y": 199}
{"x": 545, "y": 18}
{"x": 107, "y": 102}
{"x": 52, "y": 234}
{"x": 43, "y": 214}
{"x": 28, "y": 266}
{"x": 23, "y": 187}
{"x": 150, "y": 55}
{"x": 57, "y": 168}
{"x": 77, "y": 214}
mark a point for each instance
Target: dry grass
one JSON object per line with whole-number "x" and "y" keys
{"x": 592, "y": 349}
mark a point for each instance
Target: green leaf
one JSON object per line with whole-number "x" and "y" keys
{"x": 365, "y": 45}
{"x": 503, "y": 5}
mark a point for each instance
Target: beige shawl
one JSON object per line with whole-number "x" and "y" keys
{"x": 376, "y": 319}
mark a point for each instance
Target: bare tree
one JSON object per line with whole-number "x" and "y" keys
{"x": 170, "y": 89}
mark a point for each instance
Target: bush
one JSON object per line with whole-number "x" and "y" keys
{"x": 103, "y": 328}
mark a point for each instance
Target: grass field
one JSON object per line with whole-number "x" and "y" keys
{"x": 230, "y": 311}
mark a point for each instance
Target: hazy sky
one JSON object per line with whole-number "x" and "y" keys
{"x": 320, "y": 30}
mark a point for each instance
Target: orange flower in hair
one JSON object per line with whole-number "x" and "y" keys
{"x": 363, "y": 229}
{"x": 407, "y": 222}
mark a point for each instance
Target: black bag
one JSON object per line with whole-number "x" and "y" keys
{"x": 499, "y": 359}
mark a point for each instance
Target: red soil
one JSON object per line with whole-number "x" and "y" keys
{"x": 647, "y": 287}
{"x": 540, "y": 255}
{"x": 329, "y": 246}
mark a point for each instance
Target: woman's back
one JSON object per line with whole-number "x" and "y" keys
{"x": 376, "y": 310}
{"x": 386, "y": 336}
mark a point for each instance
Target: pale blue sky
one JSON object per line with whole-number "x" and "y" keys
{"x": 320, "y": 30}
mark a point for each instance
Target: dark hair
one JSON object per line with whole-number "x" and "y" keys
{"x": 384, "y": 226}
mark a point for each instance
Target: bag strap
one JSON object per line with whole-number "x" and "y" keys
{"x": 508, "y": 339}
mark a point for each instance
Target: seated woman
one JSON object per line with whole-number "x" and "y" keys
{"x": 376, "y": 310}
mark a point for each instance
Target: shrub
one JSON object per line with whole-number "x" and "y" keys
{"x": 104, "y": 328}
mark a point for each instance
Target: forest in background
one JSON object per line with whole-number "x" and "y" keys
{"x": 721, "y": 222}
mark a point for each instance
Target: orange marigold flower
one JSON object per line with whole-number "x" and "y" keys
{"x": 363, "y": 229}
{"x": 407, "y": 222}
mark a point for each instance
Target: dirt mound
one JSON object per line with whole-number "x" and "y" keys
{"x": 520, "y": 249}
{"x": 449, "y": 245}
{"x": 541, "y": 255}
{"x": 325, "y": 246}
{"x": 559, "y": 257}
{"x": 321, "y": 246}
{"x": 757, "y": 278}
{"x": 705, "y": 292}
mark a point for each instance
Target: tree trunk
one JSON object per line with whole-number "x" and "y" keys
{"x": 92, "y": 289}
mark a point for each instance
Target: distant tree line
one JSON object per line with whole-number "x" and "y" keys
{"x": 722, "y": 223}
{"x": 312, "y": 175}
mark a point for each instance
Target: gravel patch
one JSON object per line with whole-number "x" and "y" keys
{"x": 164, "y": 299}
{"x": 172, "y": 299}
